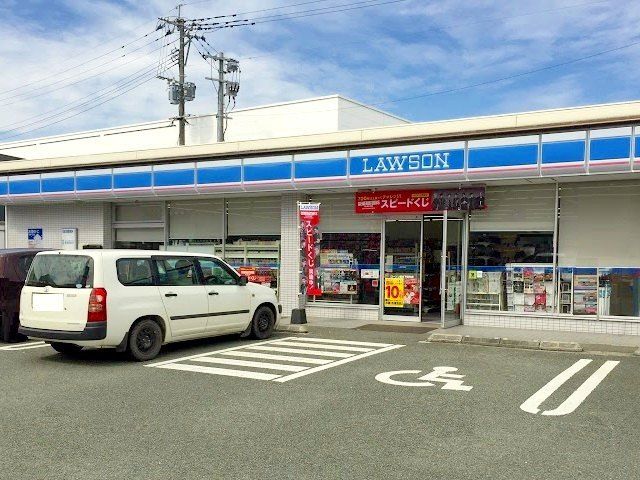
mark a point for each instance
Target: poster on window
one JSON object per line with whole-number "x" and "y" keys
{"x": 394, "y": 292}
{"x": 309, "y": 217}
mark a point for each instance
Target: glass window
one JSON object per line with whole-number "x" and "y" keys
{"x": 134, "y": 272}
{"x": 349, "y": 269}
{"x": 256, "y": 256}
{"x": 23, "y": 265}
{"x": 619, "y": 292}
{"x": 216, "y": 273}
{"x": 61, "y": 271}
{"x": 511, "y": 271}
{"x": 176, "y": 271}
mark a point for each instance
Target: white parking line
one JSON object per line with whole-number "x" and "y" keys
{"x": 577, "y": 397}
{"x": 23, "y": 346}
{"x": 270, "y": 356}
{"x": 304, "y": 352}
{"x": 247, "y": 363}
{"x": 309, "y": 357}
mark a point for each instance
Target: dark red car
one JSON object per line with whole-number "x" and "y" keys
{"x": 14, "y": 265}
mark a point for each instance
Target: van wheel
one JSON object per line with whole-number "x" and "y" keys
{"x": 66, "y": 348}
{"x": 263, "y": 322}
{"x": 145, "y": 340}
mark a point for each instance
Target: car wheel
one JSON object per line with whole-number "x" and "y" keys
{"x": 263, "y": 322}
{"x": 145, "y": 340}
{"x": 66, "y": 348}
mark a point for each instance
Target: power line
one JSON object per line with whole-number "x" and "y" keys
{"x": 449, "y": 25}
{"x": 469, "y": 86}
{"x": 83, "y": 111}
{"x": 111, "y": 88}
{"x": 80, "y": 64}
{"x": 67, "y": 85}
{"x": 64, "y": 79}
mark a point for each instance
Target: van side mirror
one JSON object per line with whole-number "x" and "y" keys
{"x": 243, "y": 280}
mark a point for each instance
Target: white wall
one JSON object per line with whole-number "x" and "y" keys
{"x": 91, "y": 219}
{"x": 304, "y": 117}
{"x": 599, "y": 224}
{"x": 353, "y": 115}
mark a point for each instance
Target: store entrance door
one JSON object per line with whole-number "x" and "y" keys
{"x": 402, "y": 270}
{"x": 423, "y": 269}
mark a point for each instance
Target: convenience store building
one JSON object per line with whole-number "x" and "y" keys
{"x": 527, "y": 220}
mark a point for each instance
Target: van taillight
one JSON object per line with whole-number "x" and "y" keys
{"x": 97, "y": 311}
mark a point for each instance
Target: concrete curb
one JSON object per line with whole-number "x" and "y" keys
{"x": 292, "y": 328}
{"x": 553, "y": 346}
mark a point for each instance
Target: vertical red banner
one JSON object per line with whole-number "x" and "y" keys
{"x": 309, "y": 216}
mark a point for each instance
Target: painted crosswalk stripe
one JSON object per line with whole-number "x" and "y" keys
{"x": 291, "y": 357}
{"x": 341, "y": 342}
{"x": 319, "y": 345}
{"x": 222, "y": 371}
{"x": 301, "y": 351}
{"x": 23, "y": 346}
{"x": 270, "y": 356}
{"x": 248, "y": 363}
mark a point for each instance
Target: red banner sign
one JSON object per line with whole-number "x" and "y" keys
{"x": 309, "y": 214}
{"x": 419, "y": 201}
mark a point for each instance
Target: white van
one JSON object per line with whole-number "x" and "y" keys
{"x": 137, "y": 300}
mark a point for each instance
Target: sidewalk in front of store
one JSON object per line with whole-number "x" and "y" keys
{"x": 489, "y": 336}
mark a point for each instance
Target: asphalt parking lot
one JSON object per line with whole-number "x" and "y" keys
{"x": 229, "y": 408}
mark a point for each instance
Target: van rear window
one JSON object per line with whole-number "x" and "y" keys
{"x": 61, "y": 271}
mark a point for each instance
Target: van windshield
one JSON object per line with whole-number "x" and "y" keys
{"x": 61, "y": 271}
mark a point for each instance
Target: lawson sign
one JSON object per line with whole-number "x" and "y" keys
{"x": 411, "y": 162}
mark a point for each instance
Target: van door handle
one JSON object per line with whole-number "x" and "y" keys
{"x": 170, "y": 294}
{"x": 213, "y": 293}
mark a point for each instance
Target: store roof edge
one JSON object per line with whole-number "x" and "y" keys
{"x": 444, "y": 130}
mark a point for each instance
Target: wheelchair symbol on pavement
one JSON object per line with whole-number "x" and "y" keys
{"x": 445, "y": 375}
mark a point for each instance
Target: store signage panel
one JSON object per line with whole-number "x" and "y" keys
{"x": 4, "y": 186}
{"x": 34, "y": 237}
{"x": 58, "y": 183}
{"x": 394, "y": 292}
{"x": 90, "y": 181}
{"x": 406, "y": 162}
{"x": 218, "y": 173}
{"x": 69, "y": 239}
{"x": 309, "y": 217}
{"x": 132, "y": 178}
{"x": 420, "y": 201}
{"x": 24, "y": 185}
{"x": 610, "y": 153}
{"x": 564, "y": 153}
{"x": 320, "y": 169}
{"x": 177, "y": 175}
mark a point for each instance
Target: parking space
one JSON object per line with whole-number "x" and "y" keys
{"x": 363, "y": 405}
{"x": 297, "y": 356}
{"x": 21, "y": 346}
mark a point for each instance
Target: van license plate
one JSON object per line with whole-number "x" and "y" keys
{"x": 47, "y": 302}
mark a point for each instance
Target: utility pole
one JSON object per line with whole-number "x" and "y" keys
{"x": 179, "y": 90}
{"x": 220, "y": 115}
{"x": 226, "y": 88}
{"x": 181, "y": 62}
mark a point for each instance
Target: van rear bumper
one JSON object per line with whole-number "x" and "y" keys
{"x": 92, "y": 331}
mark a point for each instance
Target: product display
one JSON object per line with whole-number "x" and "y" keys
{"x": 529, "y": 287}
{"x": 485, "y": 290}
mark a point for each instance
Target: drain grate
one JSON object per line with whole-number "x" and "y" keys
{"x": 373, "y": 327}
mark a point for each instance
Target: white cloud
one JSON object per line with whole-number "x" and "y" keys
{"x": 373, "y": 55}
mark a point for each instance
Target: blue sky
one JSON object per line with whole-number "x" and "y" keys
{"x": 377, "y": 55}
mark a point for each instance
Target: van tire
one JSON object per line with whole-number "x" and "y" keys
{"x": 263, "y": 323}
{"x": 145, "y": 340}
{"x": 66, "y": 348}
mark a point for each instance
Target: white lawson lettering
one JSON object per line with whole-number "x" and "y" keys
{"x": 576, "y": 398}
{"x": 445, "y": 375}
{"x": 401, "y": 163}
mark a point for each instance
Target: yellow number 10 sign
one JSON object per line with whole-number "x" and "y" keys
{"x": 394, "y": 292}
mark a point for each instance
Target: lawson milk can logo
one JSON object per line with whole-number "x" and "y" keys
{"x": 410, "y": 162}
